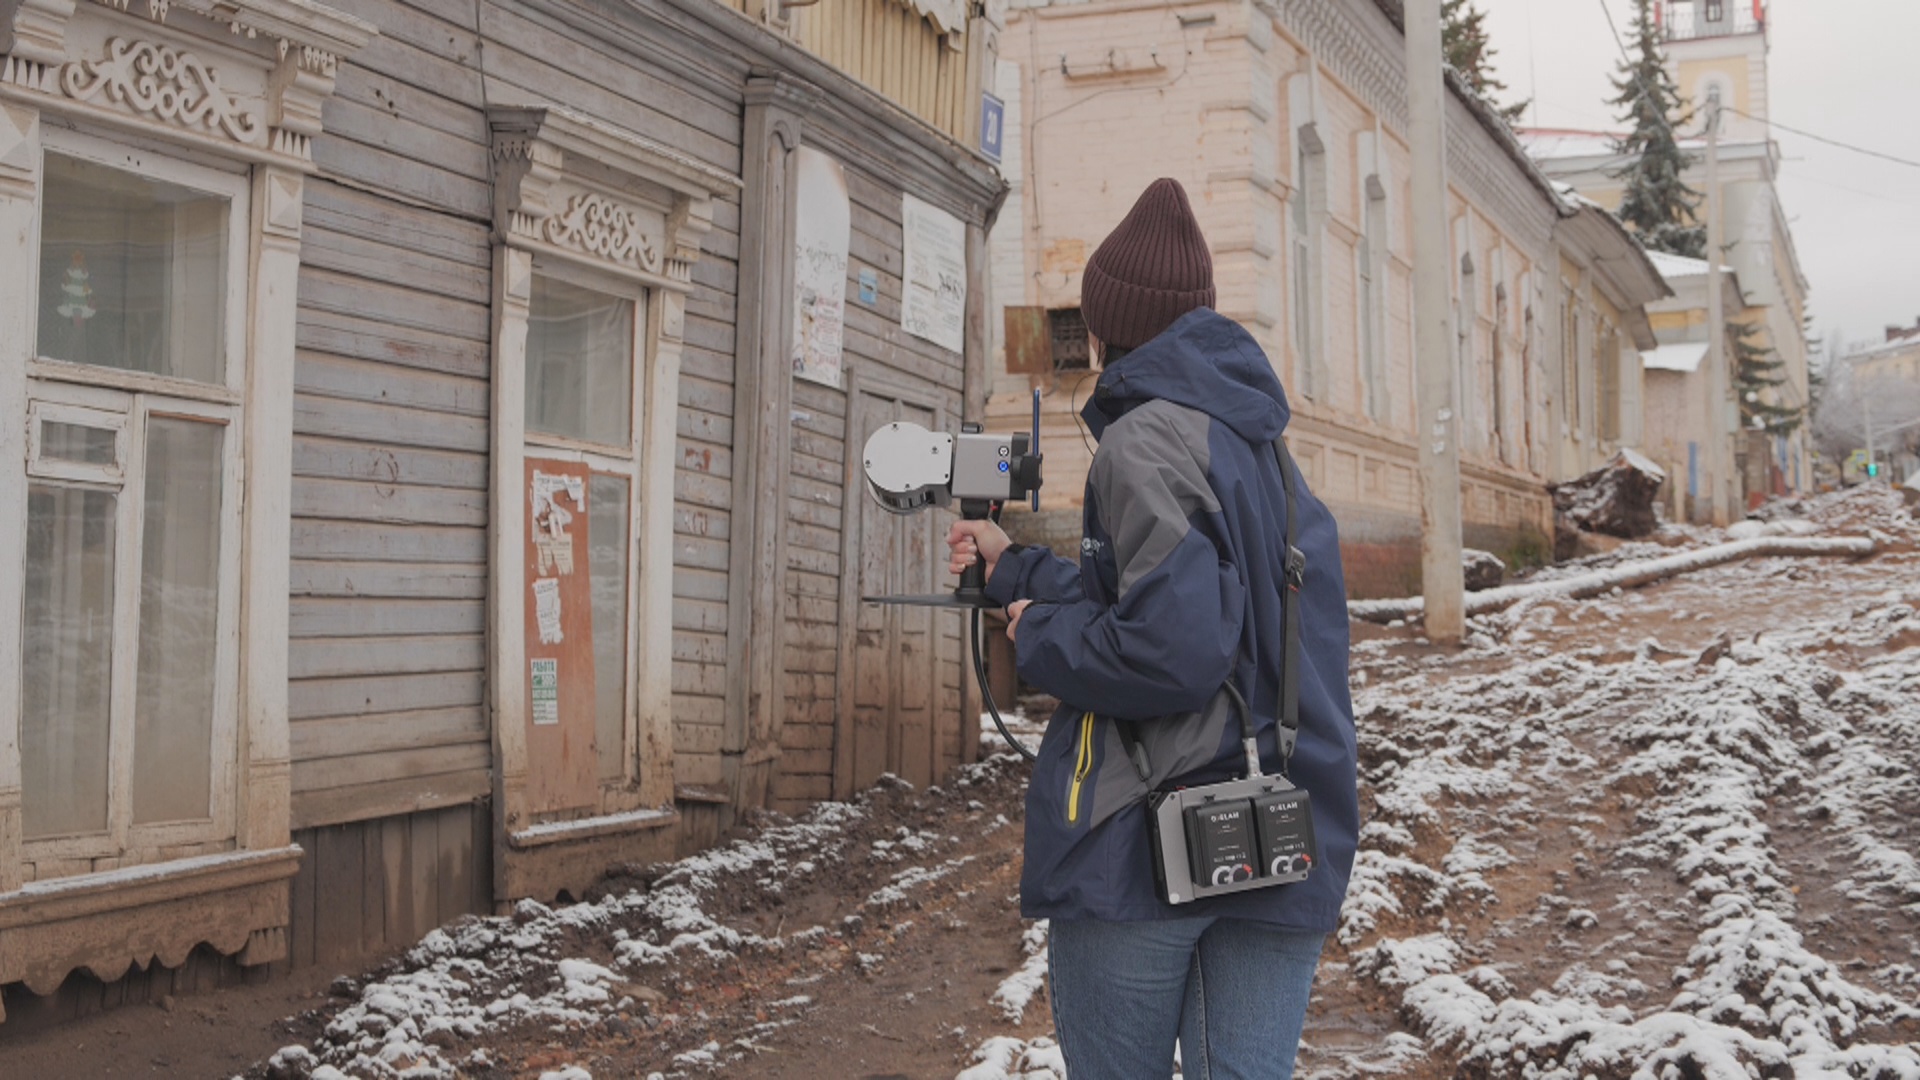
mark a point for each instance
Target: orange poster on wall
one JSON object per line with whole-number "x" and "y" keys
{"x": 562, "y": 771}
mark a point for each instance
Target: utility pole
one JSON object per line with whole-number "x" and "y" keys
{"x": 1442, "y": 577}
{"x": 1719, "y": 454}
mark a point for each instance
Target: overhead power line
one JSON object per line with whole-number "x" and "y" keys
{"x": 1824, "y": 139}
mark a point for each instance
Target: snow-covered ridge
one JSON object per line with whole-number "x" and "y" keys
{"x": 479, "y": 976}
{"x": 1721, "y": 748}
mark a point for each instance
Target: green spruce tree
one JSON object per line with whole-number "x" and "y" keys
{"x": 1464, "y": 42}
{"x": 1657, "y": 205}
{"x": 1758, "y": 369}
{"x": 1817, "y": 361}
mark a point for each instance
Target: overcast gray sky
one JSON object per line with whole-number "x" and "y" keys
{"x": 1844, "y": 69}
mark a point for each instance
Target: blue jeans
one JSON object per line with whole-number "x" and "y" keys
{"x": 1233, "y": 992}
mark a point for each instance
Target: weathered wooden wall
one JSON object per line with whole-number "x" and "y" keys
{"x": 816, "y": 501}
{"x": 393, "y": 757}
{"x": 900, "y": 53}
{"x": 827, "y": 704}
{"x": 369, "y": 886}
{"x": 390, "y": 498}
{"x": 391, "y": 455}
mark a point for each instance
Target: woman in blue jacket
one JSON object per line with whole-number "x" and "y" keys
{"x": 1179, "y": 590}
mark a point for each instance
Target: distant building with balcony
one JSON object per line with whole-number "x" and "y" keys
{"x": 1716, "y": 51}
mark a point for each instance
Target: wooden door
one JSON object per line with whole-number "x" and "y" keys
{"x": 886, "y": 723}
{"x": 562, "y": 763}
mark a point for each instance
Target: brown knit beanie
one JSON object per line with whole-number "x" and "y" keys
{"x": 1149, "y": 271}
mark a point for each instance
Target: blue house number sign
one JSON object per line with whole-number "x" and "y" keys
{"x": 993, "y": 112}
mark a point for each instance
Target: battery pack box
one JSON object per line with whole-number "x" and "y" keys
{"x": 1283, "y": 823}
{"x": 1221, "y": 842}
{"x": 1229, "y": 837}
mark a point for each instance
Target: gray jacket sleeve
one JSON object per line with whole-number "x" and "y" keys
{"x": 1171, "y": 637}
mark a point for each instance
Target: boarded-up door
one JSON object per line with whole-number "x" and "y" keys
{"x": 562, "y": 769}
{"x": 887, "y": 722}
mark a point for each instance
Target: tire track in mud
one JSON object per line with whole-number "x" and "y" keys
{"x": 1573, "y": 866}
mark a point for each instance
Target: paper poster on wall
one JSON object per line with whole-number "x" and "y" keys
{"x": 933, "y": 304}
{"x": 544, "y": 676}
{"x": 552, "y": 542}
{"x": 821, "y": 231}
{"x": 546, "y": 610}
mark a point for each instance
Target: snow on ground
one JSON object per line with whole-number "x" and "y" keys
{"x": 479, "y": 977}
{"x": 1610, "y": 838}
{"x": 482, "y": 974}
{"x": 1751, "y": 733}
{"x": 1632, "y": 798}
{"x": 1710, "y": 757}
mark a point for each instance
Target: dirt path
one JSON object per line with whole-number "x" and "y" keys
{"x": 1667, "y": 828}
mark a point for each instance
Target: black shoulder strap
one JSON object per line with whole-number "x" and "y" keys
{"x": 1296, "y": 572}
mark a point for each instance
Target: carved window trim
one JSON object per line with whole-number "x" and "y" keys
{"x": 581, "y": 200}
{"x": 168, "y": 67}
{"x": 212, "y": 86}
{"x": 570, "y": 186}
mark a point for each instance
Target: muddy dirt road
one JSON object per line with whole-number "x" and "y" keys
{"x": 1670, "y": 828}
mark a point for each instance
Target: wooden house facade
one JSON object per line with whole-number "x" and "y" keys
{"x": 430, "y": 450}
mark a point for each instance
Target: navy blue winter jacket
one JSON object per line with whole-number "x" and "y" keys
{"x": 1179, "y": 588}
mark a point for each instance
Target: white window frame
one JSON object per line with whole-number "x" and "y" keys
{"x": 91, "y": 394}
{"x": 45, "y": 410}
{"x": 275, "y": 62}
{"x": 1306, "y": 228}
{"x": 135, "y": 158}
{"x": 1373, "y": 272}
{"x": 549, "y": 163}
{"x": 627, "y": 461}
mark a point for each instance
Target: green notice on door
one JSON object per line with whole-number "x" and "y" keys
{"x": 546, "y": 690}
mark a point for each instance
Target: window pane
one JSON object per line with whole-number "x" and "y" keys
{"x": 579, "y": 363}
{"x": 67, "y": 660}
{"x": 607, "y": 517}
{"x": 179, "y": 622}
{"x": 132, "y": 272}
{"x": 77, "y": 443}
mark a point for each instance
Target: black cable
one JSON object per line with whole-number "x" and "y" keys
{"x": 1240, "y": 708}
{"x": 1822, "y": 138}
{"x": 1621, "y": 44}
{"x": 986, "y": 694}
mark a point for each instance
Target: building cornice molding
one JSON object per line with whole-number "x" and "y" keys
{"x": 234, "y": 901}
